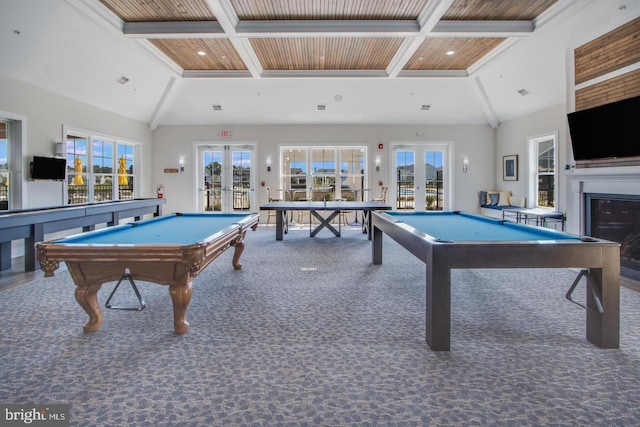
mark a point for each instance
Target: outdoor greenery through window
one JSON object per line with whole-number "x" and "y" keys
{"x": 4, "y": 166}
{"x": 99, "y": 170}
{"x": 546, "y": 172}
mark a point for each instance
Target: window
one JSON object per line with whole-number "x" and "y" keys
{"x": 352, "y": 162}
{"x": 545, "y": 171}
{"x": 77, "y": 188}
{"x": 323, "y": 172}
{"x": 91, "y": 174}
{"x": 323, "y": 167}
{"x": 4, "y": 166}
{"x": 126, "y": 176}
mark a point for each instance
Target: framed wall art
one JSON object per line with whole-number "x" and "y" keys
{"x": 510, "y": 168}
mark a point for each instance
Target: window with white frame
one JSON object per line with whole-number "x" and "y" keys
{"x": 4, "y": 166}
{"x": 324, "y": 172}
{"x": 545, "y": 173}
{"x": 99, "y": 169}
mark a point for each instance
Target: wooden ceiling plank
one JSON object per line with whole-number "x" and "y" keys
{"x": 331, "y": 35}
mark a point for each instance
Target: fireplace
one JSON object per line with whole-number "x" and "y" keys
{"x": 616, "y": 217}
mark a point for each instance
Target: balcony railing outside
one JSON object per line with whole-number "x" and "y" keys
{"x": 4, "y": 198}
{"x": 241, "y": 200}
{"x": 78, "y": 194}
{"x": 405, "y": 194}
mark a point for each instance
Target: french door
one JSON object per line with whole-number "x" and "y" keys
{"x": 420, "y": 179}
{"x": 226, "y": 178}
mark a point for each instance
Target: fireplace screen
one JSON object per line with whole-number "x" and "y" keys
{"x": 617, "y": 218}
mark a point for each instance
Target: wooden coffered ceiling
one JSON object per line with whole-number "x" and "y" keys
{"x": 325, "y": 38}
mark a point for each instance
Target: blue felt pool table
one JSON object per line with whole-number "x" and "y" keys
{"x": 448, "y": 240}
{"x": 169, "y": 250}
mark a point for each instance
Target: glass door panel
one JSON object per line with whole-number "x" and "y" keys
{"x": 405, "y": 179}
{"x": 211, "y": 189}
{"x": 241, "y": 189}
{"x": 227, "y": 178}
{"x": 421, "y": 185}
{"x": 434, "y": 184}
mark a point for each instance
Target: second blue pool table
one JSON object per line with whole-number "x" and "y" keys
{"x": 169, "y": 250}
{"x": 448, "y": 240}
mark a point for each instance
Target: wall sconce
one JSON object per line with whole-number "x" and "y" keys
{"x": 268, "y": 164}
{"x": 377, "y": 164}
{"x": 181, "y": 163}
{"x": 465, "y": 165}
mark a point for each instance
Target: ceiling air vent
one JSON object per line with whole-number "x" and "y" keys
{"x": 217, "y": 107}
{"x": 523, "y": 92}
{"x": 321, "y": 107}
{"x": 122, "y": 80}
{"x": 425, "y": 107}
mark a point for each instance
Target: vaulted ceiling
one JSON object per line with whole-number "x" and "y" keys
{"x": 361, "y": 38}
{"x": 305, "y": 61}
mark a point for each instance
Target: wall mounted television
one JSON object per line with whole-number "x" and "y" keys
{"x": 610, "y": 131}
{"x": 52, "y": 168}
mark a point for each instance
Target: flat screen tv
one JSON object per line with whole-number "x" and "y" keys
{"x": 610, "y": 131}
{"x": 48, "y": 168}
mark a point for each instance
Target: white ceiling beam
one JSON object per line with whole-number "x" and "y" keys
{"x": 434, "y": 73}
{"x": 176, "y": 29}
{"x": 214, "y": 29}
{"x": 302, "y": 28}
{"x": 228, "y": 20}
{"x": 485, "y": 102}
{"x": 163, "y": 103}
{"x": 324, "y": 73}
{"x": 427, "y": 20}
{"x": 484, "y": 28}
{"x": 191, "y": 74}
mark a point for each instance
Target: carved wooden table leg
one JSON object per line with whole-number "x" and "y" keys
{"x": 88, "y": 300}
{"x": 181, "y": 295}
{"x": 239, "y": 248}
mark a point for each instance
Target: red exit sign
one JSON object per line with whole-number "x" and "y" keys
{"x": 225, "y": 134}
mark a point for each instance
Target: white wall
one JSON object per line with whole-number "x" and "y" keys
{"x": 512, "y": 138}
{"x": 46, "y": 113}
{"x": 477, "y": 143}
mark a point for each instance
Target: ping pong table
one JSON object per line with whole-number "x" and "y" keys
{"x": 315, "y": 208}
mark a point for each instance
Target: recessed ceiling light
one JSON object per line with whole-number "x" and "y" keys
{"x": 201, "y": 52}
{"x": 451, "y": 52}
{"x": 122, "y": 80}
{"x": 321, "y": 107}
{"x": 425, "y": 107}
{"x": 217, "y": 107}
{"x": 523, "y": 92}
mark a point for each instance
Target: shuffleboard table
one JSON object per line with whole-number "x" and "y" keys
{"x": 169, "y": 250}
{"x": 448, "y": 240}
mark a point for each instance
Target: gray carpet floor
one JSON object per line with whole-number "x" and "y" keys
{"x": 310, "y": 333}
